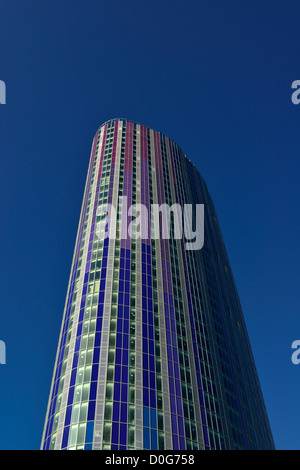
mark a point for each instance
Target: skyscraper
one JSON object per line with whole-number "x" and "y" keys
{"x": 153, "y": 351}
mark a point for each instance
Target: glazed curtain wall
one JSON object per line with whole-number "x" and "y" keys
{"x": 153, "y": 350}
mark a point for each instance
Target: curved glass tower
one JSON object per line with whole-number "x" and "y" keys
{"x": 153, "y": 351}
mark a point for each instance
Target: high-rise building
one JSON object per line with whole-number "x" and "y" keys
{"x": 153, "y": 351}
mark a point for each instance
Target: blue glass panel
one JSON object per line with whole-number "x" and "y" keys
{"x": 203, "y": 415}
{"x": 99, "y": 321}
{"x": 124, "y": 394}
{"x": 116, "y": 411}
{"x": 68, "y": 415}
{"x": 65, "y": 437}
{"x": 175, "y": 443}
{"x": 178, "y": 388}
{"x": 115, "y": 433}
{"x": 89, "y": 431}
{"x": 125, "y": 341}
{"x": 117, "y": 373}
{"x": 153, "y": 439}
{"x": 96, "y": 355}
{"x": 168, "y": 337}
{"x": 152, "y": 380}
{"x": 151, "y": 330}
{"x": 182, "y": 443}
{"x": 125, "y": 358}
{"x": 151, "y": 347}
{"x": 123, "y": 412}
{"x": 175, "y": 355}
{"x": 125, "y": 374}
{"x": 79, "y": 329}
{"x": 176, "y": 371}
{"x": 118, "y": 356}
{"x": 180, "y": 426}
{"x": 127, "y": 287}
{"x": 75, "y": 360}
{"x": 146, "y": 438}
{"x": 126, "y": 312}
{"x": 93, "y": 390}
{"x": 145, "y": 378}
{"x": 146, "y": 397}
{"x": 46, "y": 444}
{"x": 81, "y": 314}
{"x": 71, "y": 396}
{"x": 174, "y": 424}
{"x": 77, "y": 344}
{"x": 126, "y": 326}
{"x": 120, "y": 311}
{"x": 117, "y": 392}
{"x": 152, "y": 398}
{"x": 205, "y": 434}
{"x": 146, "y": 420}
{"x": 153, "y": 419}
{"x": 151, "y": 363}
{"x": 94, "y": 372}
{"x": 91, "y": 410}
{"x": 119, "y": 325}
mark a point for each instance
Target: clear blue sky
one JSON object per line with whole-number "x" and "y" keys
{"x": 215, "y": 77}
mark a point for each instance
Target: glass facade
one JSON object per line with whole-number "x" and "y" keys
{"x": 153, "y": 351}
